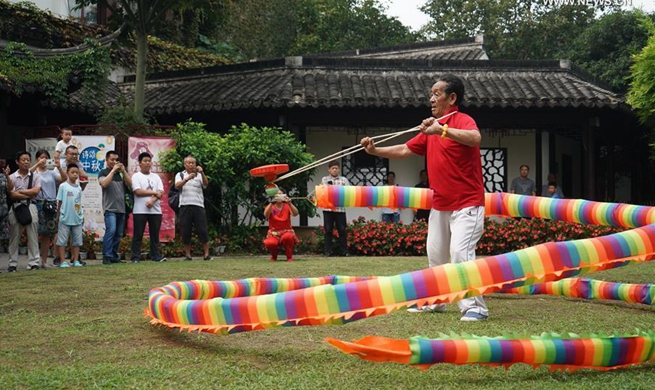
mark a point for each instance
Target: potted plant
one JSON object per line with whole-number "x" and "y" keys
{"x": 124, "y": 247}
{"x": 219, "y": 244}
{"x": 89, "y": 244}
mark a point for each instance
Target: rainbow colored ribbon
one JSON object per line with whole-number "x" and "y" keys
{"x": 384, "y": 196}
{"x": 253, "y": 304}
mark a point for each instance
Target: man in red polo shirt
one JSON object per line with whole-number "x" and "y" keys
{"x": 452, "y": 147}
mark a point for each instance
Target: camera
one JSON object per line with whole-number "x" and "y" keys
{"x": 278, "y": 198}
{"x": 50, "y": 164}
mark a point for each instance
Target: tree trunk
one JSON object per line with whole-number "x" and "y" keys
{"x": 141, "y": 62}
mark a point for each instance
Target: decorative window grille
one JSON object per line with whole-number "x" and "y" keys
{"x": 363, "y": 169}
{"x": 494, "y": 169}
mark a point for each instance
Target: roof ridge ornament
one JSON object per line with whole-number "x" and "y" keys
{"x": 293, "y": 61}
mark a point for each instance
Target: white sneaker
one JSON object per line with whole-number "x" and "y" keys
{"x": 428, "y": 309}
{"x": 471, "y": 316}
{"x": 64, "y": 264}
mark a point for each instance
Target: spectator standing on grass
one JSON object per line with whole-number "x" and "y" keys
{"x": 27, "y": 186}
{"x": 72, "y": 156}
{"x": 51, "y": 178}
{"x": 148, "y": 190}
{"x": 114, "y": 181}
{"x": 70, "y": 216}
{"x": 337, "y": 215}
{"x": 191, "y": 184}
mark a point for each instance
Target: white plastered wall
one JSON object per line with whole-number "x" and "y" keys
{"x": 57, "y": 7}
{"x": 520, "y": 150}
{"x": 322, "y": 143}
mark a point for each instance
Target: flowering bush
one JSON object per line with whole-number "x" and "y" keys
{"x": 373, "y": 238}
{"x": 89, "y": 243}
{"x": 513, "y": 234}
{"x": 125, "y": 246}
{"x": 246, "y": 239}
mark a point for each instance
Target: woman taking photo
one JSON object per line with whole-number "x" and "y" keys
{"x": 51, "y": 176}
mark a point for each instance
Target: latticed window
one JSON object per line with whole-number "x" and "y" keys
{"x": 494, "y": 169}
{"x": 363, "y": 169}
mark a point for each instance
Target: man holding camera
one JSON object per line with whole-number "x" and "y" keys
{"x": 23, "y": 213}
{"x": 191, "y": 184}
{"x": 114, "y": 180}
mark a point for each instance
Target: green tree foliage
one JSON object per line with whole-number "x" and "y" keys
{"x": 513, "y": 29}
{"x": 606, "y": 47}
{"x": 52, "y": 76}
{"x": 642, "y": 74}
{"x": 227, "y": 160}
{"x": 333, "y": 25}
{"x": 184, "y": 26}
{"x": 277, "y": 28}
{"x": 144, "y": 16}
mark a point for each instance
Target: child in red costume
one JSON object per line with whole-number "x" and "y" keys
{"x": 280, "y": 232}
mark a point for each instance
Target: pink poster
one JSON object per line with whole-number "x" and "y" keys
{"x": 154, "y": 146}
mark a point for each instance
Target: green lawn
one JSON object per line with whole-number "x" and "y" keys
{"x": 84, "y": 329}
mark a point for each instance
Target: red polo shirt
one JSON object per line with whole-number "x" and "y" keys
{"x": 454, "y": 170}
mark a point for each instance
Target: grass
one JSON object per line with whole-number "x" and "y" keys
{"x": 84, "y": 329}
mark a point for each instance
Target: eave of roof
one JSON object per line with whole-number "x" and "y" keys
{"x": 456, "y": 49}
{"x": 298, "y": 82}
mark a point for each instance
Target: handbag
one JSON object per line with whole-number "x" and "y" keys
{"x": 50, "y": 206}
{"x": 22, "y": 213}
{"x": 22, "y": 208}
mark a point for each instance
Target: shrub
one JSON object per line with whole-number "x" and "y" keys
{"x": 373, "y": 238}
{"x": 245, "y": 239}
{"x": 513, "y": 234}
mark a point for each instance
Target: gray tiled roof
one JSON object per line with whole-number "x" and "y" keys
{"x": 456, "y": 49}
{"x": 91, "y": 103}
{"x": 344, "y": 82}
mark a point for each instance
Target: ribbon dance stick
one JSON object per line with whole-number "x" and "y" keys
{"x": 355, "y": 148}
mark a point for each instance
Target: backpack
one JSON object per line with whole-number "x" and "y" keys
{"x": 129, "y": 196}
{"x": 174, "y": 196}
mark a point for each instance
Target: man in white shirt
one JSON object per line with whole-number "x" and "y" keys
{"x": 337, "y": 215}
{"x": 148, "y": 190}
{"x": 27, "y": 186}
{"x": 191, "y": 183}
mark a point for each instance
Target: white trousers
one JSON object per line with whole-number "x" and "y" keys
{"x": 452, "y": 236}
